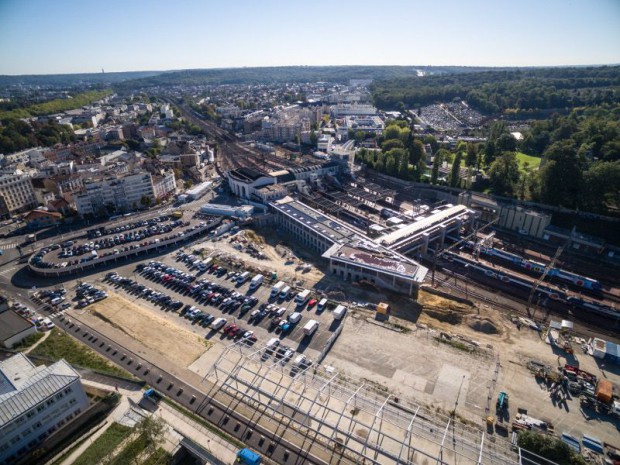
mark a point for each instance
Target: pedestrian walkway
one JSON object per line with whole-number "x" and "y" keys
{"x": 9, "y": 245}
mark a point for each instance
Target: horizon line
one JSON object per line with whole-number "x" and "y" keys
{"x": 313, "y": 66}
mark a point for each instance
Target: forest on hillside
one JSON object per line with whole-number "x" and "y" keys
{"x": 511, "y": 92}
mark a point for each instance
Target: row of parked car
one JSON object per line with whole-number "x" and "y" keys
{"x": 42, "y": 323}
{"x": 88, "y": 294}
{"x": 132, "y": 287}
{"x": 39, "y": 261}
{"x": 228, "y": 301}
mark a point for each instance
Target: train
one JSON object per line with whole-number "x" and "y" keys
{"x": 544, "y": 294}
{"x": 539, "y": 268}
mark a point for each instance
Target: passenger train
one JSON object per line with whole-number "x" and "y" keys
{"x": 544, "y": 293}
{"x": 539, "y": 268}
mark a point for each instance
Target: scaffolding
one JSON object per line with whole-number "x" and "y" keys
{"x": 349, "y": 423}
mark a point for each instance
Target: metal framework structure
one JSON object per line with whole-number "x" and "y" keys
{"x": 352, "y": 423}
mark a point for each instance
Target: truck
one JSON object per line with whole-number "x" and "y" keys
{"x": 339, "y": 312}
{"x": 310, "y": 327}
{"x": 248, "y": 457}
{"x": 284, "y": 292}
{"x": 276, "y": 289}
{"x": 302, "y": 297}
{"x": 256, "y": 281}
{"x": 30, "y": 238}
{"x": 243, "y": 277}
{"x": 152, "y": 395}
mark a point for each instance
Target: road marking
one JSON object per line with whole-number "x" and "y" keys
{"x": 9, "y": 270}
{"x": 9, "y": 245}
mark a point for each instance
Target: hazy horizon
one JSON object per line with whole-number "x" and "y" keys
{"x": 63, "y": 37}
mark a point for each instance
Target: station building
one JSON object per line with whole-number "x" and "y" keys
{"x": 351, "y": 256}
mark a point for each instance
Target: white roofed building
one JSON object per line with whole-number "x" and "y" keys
{"x": 35, "y": 401}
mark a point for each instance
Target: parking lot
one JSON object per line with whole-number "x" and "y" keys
{"x": 163, "y": 291}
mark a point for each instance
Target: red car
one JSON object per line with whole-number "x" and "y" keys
{"x": 312, "y": 303}
{"x": 230, "y": 329}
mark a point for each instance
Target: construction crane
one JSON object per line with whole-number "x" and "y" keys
{"x": 548, "y": 268}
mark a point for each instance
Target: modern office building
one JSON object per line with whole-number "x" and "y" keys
{"x": 35, "y": 401}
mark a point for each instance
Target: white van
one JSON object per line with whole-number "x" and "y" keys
{"x": 311, "y": 327}
{"x": 284, "y": 292}
{"x": 294, "y": 317}
{"x": 339, "y": 312}
{"x": 243, "y": 277}
{"x": 302, "y": 297}
{"x": 321, "y": 306}
{"x": 275, "y": 290}
{"x": 256, "y": 281}
{"x": 218, "y": 323}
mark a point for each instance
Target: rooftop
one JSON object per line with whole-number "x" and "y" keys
{"x": 11, "y": 324}
{"x": 24, "y": 385}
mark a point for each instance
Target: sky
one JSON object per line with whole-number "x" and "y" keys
{"x": 83, "y": 36}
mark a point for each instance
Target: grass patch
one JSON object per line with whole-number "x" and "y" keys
{"x": 159, "y": 457}
{"x": 104, "y": 445}
{"x": 131, "y": 451}
{"x": 60, "y": 345}
{"x": 28, "y": 341}
{"x": 534, "y": 162}
{"x": 235, "y": 442}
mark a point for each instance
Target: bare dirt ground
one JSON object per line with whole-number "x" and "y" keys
{"x": 487, "y": 354}
{"x": 171, "y": 341}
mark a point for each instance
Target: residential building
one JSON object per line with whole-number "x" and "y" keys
{"x": 35, "y": 401}
{"x": 164, "y": 184}
{"x": 115, "y": 194}
{"x": 18, "y": 193}
{"x": 42, "y": 219}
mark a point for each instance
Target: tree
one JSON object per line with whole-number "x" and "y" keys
{"x": 561, "y": 175}
{"x": 416, "y": 152}
{"x": 506, "y": 143}
{"x": 391, "y": 132}
{"x": 472, "y": 154}
{"x": 548, "y": 447}
{"x": 390, "y": 144}
{"x": 145, "y": 201}
{"x": 455, "y": 172}
{"x": 602, "y": 186}
{"x": 437, "y": 161}
{"x": 504, "y": 174}
{"x": 313, "y": 138}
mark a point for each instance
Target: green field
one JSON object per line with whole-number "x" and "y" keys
{"x": 104, "y": 444}
{"x": 60, "y": 345}
{"x": 534, "y": 162}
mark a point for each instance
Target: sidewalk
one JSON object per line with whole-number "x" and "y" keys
{"x": 222, "y": 452}
{"x": 217, "y": 446}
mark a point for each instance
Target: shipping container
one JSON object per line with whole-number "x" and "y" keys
{"x": 604, "y": 391}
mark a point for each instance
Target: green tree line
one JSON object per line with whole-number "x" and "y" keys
{"x": 505, "y": 91}
{"x": 56, "y": 105}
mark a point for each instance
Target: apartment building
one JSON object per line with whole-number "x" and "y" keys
{"x": 115, "y": 194}
{"x": 18, "y": 193}
{"x": 164, "y": 185}
{"x": 35, "y": 401}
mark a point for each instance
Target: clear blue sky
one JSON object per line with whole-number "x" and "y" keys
{"x": 63, "y": 36}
